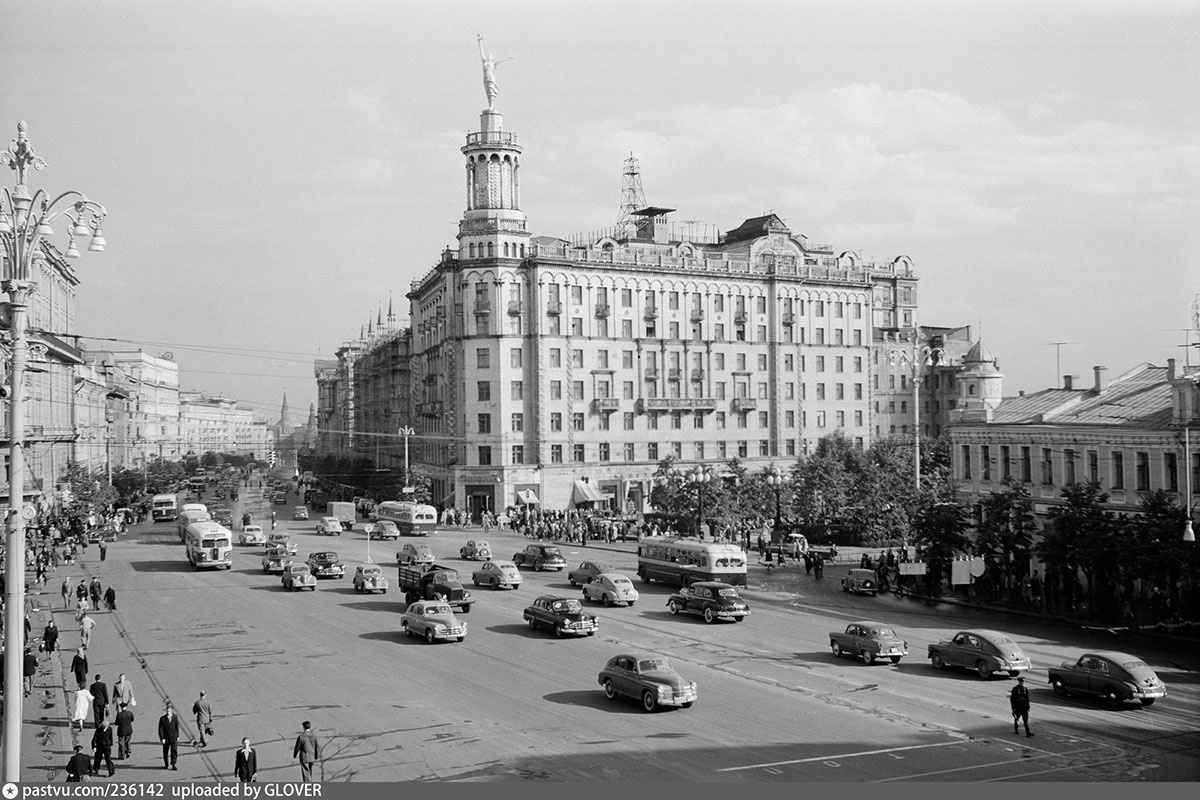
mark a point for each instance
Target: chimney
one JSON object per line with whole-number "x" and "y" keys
{"x": 1068, "y": 381}
{"x": 1099, "y": 386}
{"x": 1170, "y": 369}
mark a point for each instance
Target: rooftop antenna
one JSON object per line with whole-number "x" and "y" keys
{"x": 1058, "y": 360}
{"x": 633, "y": 198}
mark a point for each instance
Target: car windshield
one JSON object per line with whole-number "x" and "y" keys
{"x": 445, "y": 577}
{"x": 883, "y": 632}
{"x": 654, "y": 665}
{"x": 438, "y": 609}
{"x": 567, "y": 606}
{"x": 371, "y": 573}
{"x": 1136, "y": 664}
{"x": 728, "y": 592}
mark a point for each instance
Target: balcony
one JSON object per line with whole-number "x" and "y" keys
{"x": 516, "y": 308}
{"x": 697, "y": 314}
{"x": 651, "y": 374}
{"x": 430, "y": 409}
{"x": 741, "y": 404}
{"x": 739, "y": 318}
{"x": 483, "y": 307}
{"x": 605, "y": 404}
{"x": 697, "y": 375}
{"x": 674, "y": 374}
{"x": 554, "y": 308}
{"x": 789, "y": 318}
{"x": 651, "y": 313}
{"x": 603, "y": 310}
{"x": 675, "y": 404}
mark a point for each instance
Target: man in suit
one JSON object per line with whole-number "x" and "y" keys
{"x": 79, "y": 666}
{"x": 122, "y": 692}
{"x": 79, "y": 766}
{"x": 308, "y": 750}
{"x": 203, "y": 711}
{"x": 102, "y": 743}
{"x": 29, "y": 670}
{"x": 124, "y": 731}
{"x": 245, "y": 764}
{"x": 99, "y": 701}
{"x": 168, "y": 734}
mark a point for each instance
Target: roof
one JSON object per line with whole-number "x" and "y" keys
{"x": 979, "y": 352}
{"x": 1141, "y": 398}
{"x": 752, "y": 228}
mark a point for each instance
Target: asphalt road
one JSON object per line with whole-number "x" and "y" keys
{"x": 511, "y": 704}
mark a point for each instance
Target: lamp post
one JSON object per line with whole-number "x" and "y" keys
{"x": 1188, "y": 534}
{"x": 776, "y": 481}
{"x": 25, "y": 224}
{"x": 699, "y": 477}
{"x": 406, "y": 432}
{"x": 914, "y": 357}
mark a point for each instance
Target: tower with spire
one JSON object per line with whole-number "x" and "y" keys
{"x": 980, "y": 386}
{"x": 493, "y": 226}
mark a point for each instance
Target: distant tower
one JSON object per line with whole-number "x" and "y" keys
{"x": 980, "y": 386}
{"x": 633, "y": 199}
{"x": 285, "y": 423}
{"x": 493, "y": 226}
{"x": 391, "y": 318}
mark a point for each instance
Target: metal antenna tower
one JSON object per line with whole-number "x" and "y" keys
{"x": 1058, "y": 346}
{"x": 633, "y": 198}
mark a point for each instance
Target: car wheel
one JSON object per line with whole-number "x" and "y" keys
{"x": 465, "y": 610}
{"x": 1147, "y": 701}
{"x": 649, "y": 701}
{"x": 673, "y": 606}
{"x": 495, "y": 584}
{"x": 475, "y": 581}
{"x": 845, "y": 588}
{"x": 610, "y": 691}
{"x": 895, "y": 659}
{"x": 1110, "y": 697}
{"x": 429, "y": 635}
{"x": 606, "y": 600}
{"x": 407, "y": 630}
{"x": 686, "y": 705}
{"x": 559, "y": 631}
{"x": 571, "y": 580}
{"x": 532, "y": 624}
{"x": 984, "y": 670}
{"x": 586, "y": 598}
{"x": 630, "y": 603}
{"x": 1057, "y": 685}
{"x": 537, "y": 565}
{"x": 867, "y": 656}
{"x": 936, "y": 659}
{"x": 709, "y": 616}
{"x": 836, "y": 648}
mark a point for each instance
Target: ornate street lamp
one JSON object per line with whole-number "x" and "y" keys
{"x": 698, "y": 477}
{"x": 776, "y": 482}
{"x": 25, "y": 224}
{"x": 914, "y": 357}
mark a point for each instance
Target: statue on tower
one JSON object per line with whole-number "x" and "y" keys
{"x": 490, "y": 88}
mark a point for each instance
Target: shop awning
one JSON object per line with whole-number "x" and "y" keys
{"x": 586, "y": 493}
{"x": 528, "y": 497}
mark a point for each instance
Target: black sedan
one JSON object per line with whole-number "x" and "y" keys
{"x": 564, "y": 615}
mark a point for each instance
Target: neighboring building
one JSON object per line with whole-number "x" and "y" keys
{"x": 1127, "y": 435}
{"x": 149, "y": 426}
{"x": 216, "y": 424}
{"x": 938, "y": 354}
{"x": 567, "y": 370}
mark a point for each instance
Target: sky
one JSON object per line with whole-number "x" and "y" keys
{"x": 275, "y": 173}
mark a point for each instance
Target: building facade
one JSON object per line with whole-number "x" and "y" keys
{"x": 148, "y": 425}
{"x": 216, "y": 424}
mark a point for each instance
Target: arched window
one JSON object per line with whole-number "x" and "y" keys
{"x": 491, "y": 249}
{"x": 522, "y": 250}
{"x": 472, "y": 249}
{"x": 506, "y": 249}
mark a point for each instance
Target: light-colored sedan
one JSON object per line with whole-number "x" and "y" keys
{"x": 433, "y": 619}
{"x": 300, "y": 512}
{"x": 298, "y": 576}
{"x": 329, "y": 526}
{"x": 497, "y": 574}
{"x": 369, "y": 578}
{"x": 414, "y": 554}
{"x": 252, "y": 535}
{"x": 588, "y": 570}
{"x": 475, "y": 550}
{"x": 283, "y": 540}
{"x": 609, "y": 588}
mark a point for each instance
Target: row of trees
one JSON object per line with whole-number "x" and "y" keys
{"x": 360, "y": 476}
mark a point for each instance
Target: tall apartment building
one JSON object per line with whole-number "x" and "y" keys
{"x": 566, "y": 370}
{"x": 148, "y": 424}
{"x": 216, "y": 424}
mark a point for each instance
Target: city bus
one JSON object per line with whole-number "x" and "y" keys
{"x": 412, "y": 519}
{"x": 209, "y": 546}
{"x": 189, "y": 515}
{"x": 685, "y": 561}
{"x": 164, "y": 507}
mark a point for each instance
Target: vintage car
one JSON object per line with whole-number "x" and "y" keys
{"x": 329, "y": 526}
{"x": 223, "y": 516}
{"x": 300, "y": 512}
{"x": 252, "y": 535}
{"x": 325, "y": 564}
{"x": 497, "y": 574}
{"x": 563, "y": 615}
{"x": 710, "y": 599}
{"x": 476, "y": 550}
{"x": 610, "y": 588}
{"x": 415, "y": 554}
{"x": 433, "y": 619}
{"x": 588, "y": 570}
{"x": 369, "y": 578}
{"x": 280, "y": 499}
{"x": 648, "y": 678}
{"x": 860, "y": 581}
{"x": 1117, "y": 677}
{"x": 382, "y": 529}
{"x": 281, "y": 539}
{"x": 869, "y": 641}
{"x": 275, "y": 559}
{"x": 540, "y": 557}
{"x": 984, "y": 651}
{"x": 298, "y": 576}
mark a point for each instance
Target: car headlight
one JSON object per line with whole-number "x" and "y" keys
{"x": 664, "y": 690}
{"x": 439, "y": 628}
{"x": 466, "y": 594}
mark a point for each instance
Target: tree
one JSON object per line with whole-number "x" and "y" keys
{"x": 940, "y": 532}
{"x": 1083, "y": 536}
{"x": 89, "y": 496}
{"x": 1158, "y": 552}
{"x": 129, "y": 484}
{"x": 1006, "y": 533}
{"x": 824, "y": 483}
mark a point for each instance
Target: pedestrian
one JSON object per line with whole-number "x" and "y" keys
{"x": 122, "y": 692}
{"x": 1019, "y": 700}
{"x": 79, "y": 666}
{"x": 308, "y": 750}
{"x": 102, "y": 744}
{"x": 30, "y": 669}
{"x": 81, "y": 706}
{"x": 168, "y": 734}
{"x": 81, "y": 591}
{"x": 79, "y": 767}
{"x": 1035, "y": 588}
{"x": 82, "y": 606}
{"x": 95, "y": 592}
{"x": 245, "y": 763}
{"x": 86, "y": 624}
{"x": 50, "y": 637}
{"x": 103, "y": 551}
{"x": 272, "y": 520}
{"x": 203, "y": 711}
{"x": 66, "y": 592}
{"x": 99, "y": 701}
{"x": 110, "y": 598}
{"x": 124, "y": 731}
